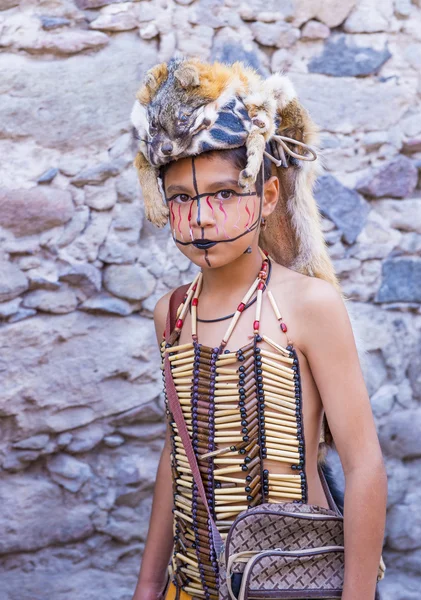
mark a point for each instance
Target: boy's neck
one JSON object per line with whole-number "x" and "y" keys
{"x": 234, "y": 279}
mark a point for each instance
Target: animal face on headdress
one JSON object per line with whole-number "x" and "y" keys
{"x": 186, "y": 107}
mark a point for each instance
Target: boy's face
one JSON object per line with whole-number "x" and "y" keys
{"x": 212, "y": 219}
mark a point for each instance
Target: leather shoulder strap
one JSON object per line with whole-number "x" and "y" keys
{"x": 175, "y": 301}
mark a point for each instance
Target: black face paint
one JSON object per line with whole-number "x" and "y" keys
{"x": 198, "y": 196}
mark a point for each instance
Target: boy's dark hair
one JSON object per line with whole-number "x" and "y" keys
{"x": 238, "y": 157}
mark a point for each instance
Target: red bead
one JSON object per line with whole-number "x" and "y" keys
{"x": 265, "y": 252}
{"x": 241, "y": 307}
{"x": 262, "y": 275}
{"x": 179, "y": 323}
{"x": 261, "y": 285}
{"x": 194, "y": 287}
{"x": 264, "y": 266}
{"x": 256, "y": 325}
{"x": 283, "y": 327}
{"x": 195, "y": 301}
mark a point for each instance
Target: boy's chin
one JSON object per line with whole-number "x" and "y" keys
{"x": 220, "y": 255}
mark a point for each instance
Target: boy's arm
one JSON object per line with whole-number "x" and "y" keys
{"x": 327, "y": 340}
{"x": 159, "y": 543}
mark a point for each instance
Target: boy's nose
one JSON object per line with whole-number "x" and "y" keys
{"x": 205, "y": 216}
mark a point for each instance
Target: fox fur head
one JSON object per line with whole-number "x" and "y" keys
{"x": 184, "y": 97}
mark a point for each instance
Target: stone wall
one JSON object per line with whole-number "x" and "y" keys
{"x": 81, "y": 415}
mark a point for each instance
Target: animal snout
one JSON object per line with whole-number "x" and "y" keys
{"x": 166, "y": 148}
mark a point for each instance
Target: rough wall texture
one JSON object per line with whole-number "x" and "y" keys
{"x": 81, "y": 415}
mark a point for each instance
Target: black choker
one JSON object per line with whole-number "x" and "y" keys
{"x": 246, "y": 306}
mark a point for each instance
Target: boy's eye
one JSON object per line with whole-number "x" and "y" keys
{"x": 224, "y": 195}
{"x": 181, "y": 198}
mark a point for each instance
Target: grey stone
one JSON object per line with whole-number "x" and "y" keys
{"x": 74, "y": 227}
{"x": 48, "y": 176}
{"x": 401, "y": 279}
{"x": 402, "y": 8}
{"x": 64, "y": 439}
{"x": 53, "y": 22}
{"x": 370, "y": 16}
{"x": 69, "y": 418}
{"x": 332, "y": 105}
{"x": 17, "y": 460}
{"x": 347, "y": 209}
{"x": 62, "y": 120}
{"x": 397, "y": 481}
{"x": 128, "y": 187}
{"x": 68, "y": 471}
{"x": 97, "y": 174}
{"x": 119, "y": 18}
{"x": 376, "y": 240}
{"x": 404, "y": 523}
{"x": 341, "y": 57}
{"x": 86, "y": 246}
{"x": 6, "y": 4}
{"x": 84, "y": 276}
{"x": 401, "y": 214}
{"x": 128, "y": 217}
{"x": 25, "y": 212}
{"x": 114, "y": 440}
{"x": 104, "y": 303}
{"x": 12, "y": 281}
{"x": 62, "y": 42}
{"x": 58, "y": 302}
{"x": 35, "y": 442}
{"x": 399, "y": 585}
{"x": 28, "y": 504}
{"x": 129, "y": 471}
{"x": 314, "y": 30}
{"x": 412, "y": 145}
{"x": 87, "y": 4}
{"x": 398, "y": 178}
{"x": 400, "y": 436}
{"x": 9, "y": 308}
{"x": 22, "y": 313}
{"x": 114, "y": 377}
{"x": 147, "y": 413}
{"x": 382, "y": 401}
{"x": 86, "y": 439}
{"x": 100, "y": 198}
{"x": 130, "y": 282}
{"x": 279, "y": 34}
{"x": 126, "y": 524}
{"x": 145, "y": 432}
{"x": 228, "y": 47}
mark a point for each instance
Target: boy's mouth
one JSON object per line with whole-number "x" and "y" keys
{"x": 204, "y": 244}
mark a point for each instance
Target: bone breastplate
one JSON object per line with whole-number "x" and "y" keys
{"x": 241, "y": 408}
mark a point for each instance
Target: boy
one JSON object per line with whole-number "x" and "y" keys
{"x": 224, "y": 214}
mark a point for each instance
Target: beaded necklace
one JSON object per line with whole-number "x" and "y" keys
{"x": 237, "y": 416}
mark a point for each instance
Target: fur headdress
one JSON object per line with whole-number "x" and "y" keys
{"x": 187, "y": 106}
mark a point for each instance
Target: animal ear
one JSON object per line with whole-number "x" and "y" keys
{"x": 151, "y": 82}
{"x": 188, "y": 76}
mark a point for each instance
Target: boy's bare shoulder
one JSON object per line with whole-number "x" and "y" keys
{"x": 303, "y": 290}
{"x": 160, "y": 313}
{"x": 305, "y": 300}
